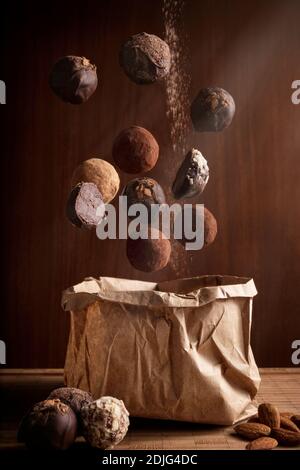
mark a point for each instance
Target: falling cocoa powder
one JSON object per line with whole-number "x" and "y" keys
{"x": 178, "y": 79}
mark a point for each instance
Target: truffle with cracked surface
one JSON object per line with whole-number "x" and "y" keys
{"x": 105, "y": 422}
{"x": 212, "y": 110}
{"x": 73, "y": 79}
{"x": 145, "y": 58}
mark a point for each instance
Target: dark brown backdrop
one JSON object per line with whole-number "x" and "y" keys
{"x": 250, "y": 48}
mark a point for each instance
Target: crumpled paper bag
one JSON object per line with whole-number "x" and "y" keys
{"x": 176, "y": 350}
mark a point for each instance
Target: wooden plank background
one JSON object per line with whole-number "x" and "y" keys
{"x": 250, "y": 48}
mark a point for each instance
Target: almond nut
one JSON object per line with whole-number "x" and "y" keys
{"x": 287, "y": 423}
{"x": 253, "y": 419}
{"x": 252, "y": 431}
{"x": 269, "y": 415}
{"x": 286, "y": 414}
{"x": 262, "y": 443}
{"x": 286, "y": 437}
{"x": 296, "y": 420}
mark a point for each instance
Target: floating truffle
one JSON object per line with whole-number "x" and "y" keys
{"x": 145, "y": 58}
{"x": 192, "y": 176}
{"x": 144, "y": 191}
{"x": 135, "y": 150}
{"x": 210, "y": 227}
{"x": 73, "y": 79}
{"x": 149, "y": 254}
{"x": 105, "y": 422}
{"x": 73, "y": 397}
{"x": 102, "y": 174}
{"x": 212, "y": 110}
{"x": 85, "y": 207}
{"x": 50, "y": 424}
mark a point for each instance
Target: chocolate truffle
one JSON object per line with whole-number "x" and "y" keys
{"x": 50, "y": 424}
{"x": 135, "y": 150}
{"x": 73, "y": 79}
{"x": 210, "y": 227}
{"x": 73, "y": 397}
{"x": 102, "y": 174}
{"x": 149, "y": 254}
{"x": 192, "y": 176}
{"x": 144, "y": 191}
{"x": 105, "y": 422}
{"x": 145, "y": 58}
{"x": 212, "y": 110}
{"x": 85, "y": 207}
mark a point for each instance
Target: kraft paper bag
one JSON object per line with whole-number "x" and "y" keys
{"x": 176, "y": 350}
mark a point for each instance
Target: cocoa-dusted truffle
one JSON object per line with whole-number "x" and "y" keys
{"x": 50, "y": 424}
{"x": 210, "y": 227}
{"x": 192, "y": 176}
{"x": 212, "y": 110}
{"x": 135, "y": 150}
{"x": 73, "y": 79}
{"x": 102, "y": 174}
{"x": 85, "y": 207}
{"x": 144, "y": 191}
{"x": 105, "y": 422}
{"x": 149, "y": 254}
{"x": 73, "y": 397}
{"x": 145, "y": 58}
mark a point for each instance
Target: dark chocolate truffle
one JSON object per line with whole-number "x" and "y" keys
{"x": 85, "y": 207}
{"x": 50, "y": 424}
{"x": 149, "y": 254}
{"x": 102, "y": 174}
{"x": 73, "y": 79}
{"x": 144, "y": 191}
{"x": 192, "y": 176}
{"x": 212, "y": 110}
{"x": 210, "y": 227}
{"x": 105, "y": 422}
{"x": 135, "y": 150}
{"x": 145, "y": 58}
{"x": 73, "y": 397}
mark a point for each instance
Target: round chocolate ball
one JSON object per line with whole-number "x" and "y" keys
{"x": 102, "y": 174}
{"x": 145, "y": 58}
{"x": 85, "y": 207}
{"x": 50, "y": 424}
{"x": 105, "y": 422}
{"x": 73, "y": 397}
{"x": 210, "y": 227}
{"x": 144, "y": 191}
{"x": 73, "y": 79}
{"x": 212, "y": 110}
{"x": 135, "y": 150}
{"x": 192, "y": 176}
{"x": 149, "y": 254}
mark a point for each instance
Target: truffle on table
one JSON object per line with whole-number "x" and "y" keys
{"x": 144, "y": 191}
{"x": 50, "y": 424}
{"x": 105, "y": 422}
{"x": 73, "y": 79}
{"x": 73, "y": 397}
{"x": 145, "y": 58}
{"x": 85, "y": 207}
{"x": 102, "y": 174}
{"x": 212, "y": 110}
{"x": 192, "y": 176}
{"x": 135, "y": 150}
{"x": 149, "y": 254}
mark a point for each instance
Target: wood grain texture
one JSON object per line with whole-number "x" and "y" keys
{"x": 250, "y": 48}
{"x": 19, "y": 389}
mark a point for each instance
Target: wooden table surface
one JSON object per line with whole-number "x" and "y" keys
{"x": 19, "y": 389}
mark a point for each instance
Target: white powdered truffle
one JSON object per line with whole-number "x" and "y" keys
{"x": 105, "y": 422}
